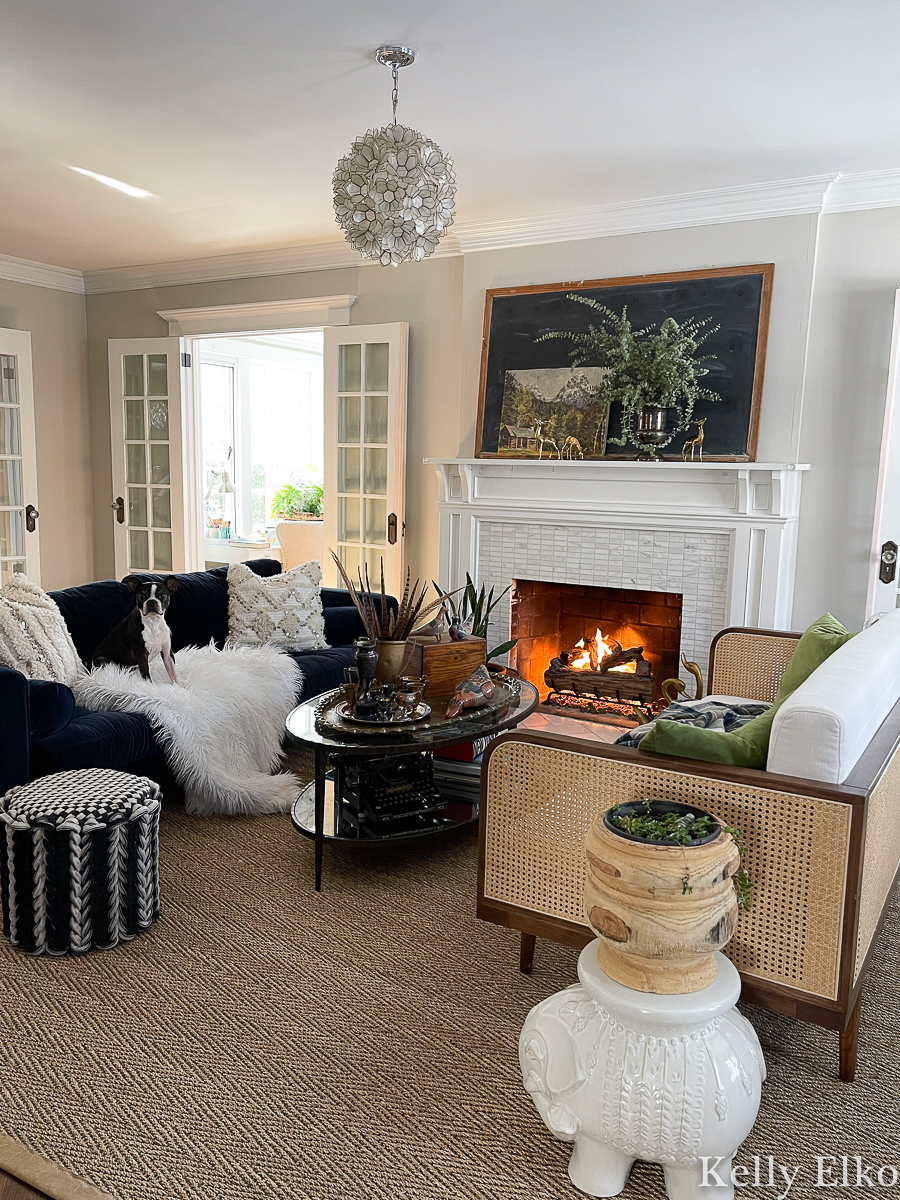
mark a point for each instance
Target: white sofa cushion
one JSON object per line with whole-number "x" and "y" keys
{"x": 822, "y": 729}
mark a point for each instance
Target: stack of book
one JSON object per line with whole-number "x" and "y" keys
{"x": 459, "y": 777}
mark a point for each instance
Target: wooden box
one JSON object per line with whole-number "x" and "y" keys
{"x": 446, "y": 663}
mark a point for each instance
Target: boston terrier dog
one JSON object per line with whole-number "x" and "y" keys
{"x": 144, "y": 634}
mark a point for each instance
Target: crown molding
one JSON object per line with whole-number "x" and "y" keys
{"x": 866, "y": 189}
{"x": 23, "y": 270}
{"x": 747, "y": 202}
{"x": 270, "y": 314}
{"x": 836, "y": 192}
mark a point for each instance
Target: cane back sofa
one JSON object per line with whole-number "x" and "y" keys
{"x": 823, "y": 857}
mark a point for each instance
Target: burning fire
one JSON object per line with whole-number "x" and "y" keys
{"x": 583, "y": 661}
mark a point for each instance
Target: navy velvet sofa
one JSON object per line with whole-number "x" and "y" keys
{"x": 42, "y": 730}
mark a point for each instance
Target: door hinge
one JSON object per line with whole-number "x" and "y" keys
{"x": 185, "y": 359}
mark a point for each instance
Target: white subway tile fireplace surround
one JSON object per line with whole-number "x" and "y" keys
{"x": 723, "y": 535}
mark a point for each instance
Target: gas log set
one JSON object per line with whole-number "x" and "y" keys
{"x": 598, "y": 676}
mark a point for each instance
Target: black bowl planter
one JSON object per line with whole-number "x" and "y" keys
{"x": 660, "y": 808}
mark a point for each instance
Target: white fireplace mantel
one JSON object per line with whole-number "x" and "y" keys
{"x": 724, "y": 535}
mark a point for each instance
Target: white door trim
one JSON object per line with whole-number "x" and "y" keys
{"x": 18, "y": 342}
{"x": 283, "y": 315}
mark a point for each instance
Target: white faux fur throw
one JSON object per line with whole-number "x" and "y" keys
{"x": 220, "y": 726}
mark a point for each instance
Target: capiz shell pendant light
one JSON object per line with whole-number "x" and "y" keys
{"x": 393, "y": 192}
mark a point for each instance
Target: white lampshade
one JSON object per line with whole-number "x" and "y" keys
{"x": 226, "y": 485}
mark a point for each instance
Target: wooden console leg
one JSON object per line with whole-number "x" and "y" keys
{"x": 526, "y": 952}
{"x": 850, "y": 1044}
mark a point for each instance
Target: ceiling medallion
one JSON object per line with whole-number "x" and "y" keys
{"x": 394, "y": 190}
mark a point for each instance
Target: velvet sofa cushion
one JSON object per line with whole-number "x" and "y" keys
{"x": 51, "y": 707}
{"x": 749, "y": 745}
{"x": 343, "y": 625}
{"x": 322, "y": 670}
{"x": 198, "y": 610}
{"x": 94, "y": 739}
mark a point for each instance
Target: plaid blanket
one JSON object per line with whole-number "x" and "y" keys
{"x": 705, "y": 714}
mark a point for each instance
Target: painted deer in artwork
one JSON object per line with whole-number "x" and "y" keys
{"x": 571, "y": 448}
{"x": 545, "y": 441}
{"x": 695, "y": 443}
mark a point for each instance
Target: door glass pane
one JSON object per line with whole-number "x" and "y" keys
{"x": 134, "y": 420}
{"x": 348, "y": 418}
{"x": 137, "y": 506}
{"x": 348, "y": 519}
{"x": 349, "y": 377}
{"x": 138, "y": 550}
{"x": 161, "y": 508}
{"x": 376, "y": 418}
{"x": 376, "y": 522}
{"x": 8, "y": 569}
{"x": 376, "y": 471}
{"x": 12, "y": 535}
{"x": 374, "y": 560}
{"x": 159, "y": 463}
{"x": 158, "y": 412}
{"x": 162, "y": 551}
{"x": 349, "y": 556}
{"x": 376, "y": 366}
{"x": 9, "y": 393}
{"x": 9, "y": 431}
{"x": 348, "y": 469}
{"x": 135, "y": 464}
{"x": 157, "y": 375}
{"x": 133, "y": 365}
{"x": 10, "y": 481}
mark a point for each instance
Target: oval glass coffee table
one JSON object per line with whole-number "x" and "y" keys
{"x": 373, "y": 786}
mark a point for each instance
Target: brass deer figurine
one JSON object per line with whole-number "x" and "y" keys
{"x": 695, "y": 443}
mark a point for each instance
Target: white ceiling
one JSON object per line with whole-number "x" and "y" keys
{"x": 234, "y": 112}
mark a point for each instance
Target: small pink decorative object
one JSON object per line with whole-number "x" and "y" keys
{"x": 474, "y": 691}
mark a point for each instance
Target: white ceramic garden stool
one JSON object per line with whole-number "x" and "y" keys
{"x": 631, "y": 1075}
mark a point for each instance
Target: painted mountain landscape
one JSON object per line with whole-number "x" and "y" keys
{"x": 554, "y": 412}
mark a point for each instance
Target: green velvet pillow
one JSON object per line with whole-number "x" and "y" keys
{"x": 749, "y": 745}
{"x": 818, "y": 643}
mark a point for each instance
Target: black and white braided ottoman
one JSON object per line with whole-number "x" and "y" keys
{"x": 79, "y": 861}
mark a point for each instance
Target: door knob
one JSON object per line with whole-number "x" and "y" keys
{"x": 31, "y": 518}
{"x": 118, "y": 506}
{"x": 888, "y": 571}
{"x": 392, "y": 529}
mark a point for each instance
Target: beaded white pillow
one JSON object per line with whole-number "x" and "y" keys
{"x": 279, "y": 610}
{"x": 34, "y": 638}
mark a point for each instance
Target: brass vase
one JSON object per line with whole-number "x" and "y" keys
{"x": 651, "y": 433}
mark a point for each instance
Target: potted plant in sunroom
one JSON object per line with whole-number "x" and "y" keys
{"x": 651, "y": 372}
{"x": 298, "y": 502}
{"x": 664, "y": 884}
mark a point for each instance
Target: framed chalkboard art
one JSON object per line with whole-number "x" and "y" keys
{"x": 534, "y": 403}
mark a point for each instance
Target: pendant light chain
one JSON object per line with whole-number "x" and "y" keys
{"x": 395, "y": 73}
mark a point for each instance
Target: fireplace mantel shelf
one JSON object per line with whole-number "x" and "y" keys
{"x": 514, "y": 464}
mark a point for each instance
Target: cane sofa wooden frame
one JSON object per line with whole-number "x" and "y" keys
{"x": 823, "y": 858}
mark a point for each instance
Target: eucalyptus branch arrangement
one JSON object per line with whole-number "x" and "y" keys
{"x": 474, "y": 612}
{"x": 381, "y": 623}
{"x": 653, "y": 366}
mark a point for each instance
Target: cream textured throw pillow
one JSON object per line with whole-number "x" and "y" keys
{"x": 33, "y": 635}
{"x": 282, "y": 610}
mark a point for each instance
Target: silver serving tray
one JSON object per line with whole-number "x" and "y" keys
{"x": 343, "y": 711}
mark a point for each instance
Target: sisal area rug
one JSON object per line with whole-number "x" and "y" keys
{"x": 264, "y": 1042}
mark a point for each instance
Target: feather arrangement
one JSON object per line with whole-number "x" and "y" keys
{"x": 380, "y": 622}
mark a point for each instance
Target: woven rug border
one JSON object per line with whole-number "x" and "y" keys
{"x": 46, "y": 1176}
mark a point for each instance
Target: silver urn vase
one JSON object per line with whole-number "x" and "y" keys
{"x": 651, "y": 433}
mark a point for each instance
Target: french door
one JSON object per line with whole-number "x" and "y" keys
{"x": 365, "y": 372}
{"x": 884, "y": 567}
{"x": 19, "y": 537}
{"x": 149, "y": 458}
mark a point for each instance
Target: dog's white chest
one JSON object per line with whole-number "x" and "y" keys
{"x": 157, "y": 636}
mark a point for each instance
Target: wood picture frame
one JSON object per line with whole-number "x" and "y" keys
{"x": 737, "y": 298}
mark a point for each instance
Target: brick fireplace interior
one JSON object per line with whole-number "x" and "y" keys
{"x": 549, "y": 618}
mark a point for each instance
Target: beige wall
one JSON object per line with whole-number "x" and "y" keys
{"x": 56, "y": 321}
{"x": 833, "y": 295}
{"x": 427, "y": 295}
